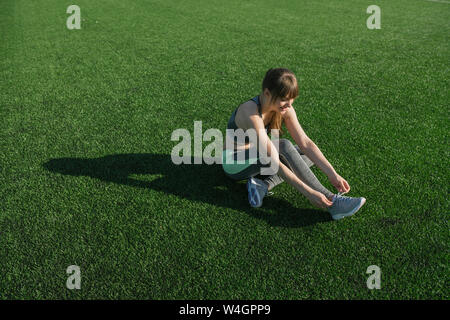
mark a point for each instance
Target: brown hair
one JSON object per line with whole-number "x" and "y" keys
{"x": 282, "y": 84}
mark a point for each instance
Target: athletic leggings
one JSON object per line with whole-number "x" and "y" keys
{"x": 290, "y": 156}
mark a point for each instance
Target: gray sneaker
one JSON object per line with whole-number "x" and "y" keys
{"x": 345, "y": 206}
{"x": 257, "y": 190}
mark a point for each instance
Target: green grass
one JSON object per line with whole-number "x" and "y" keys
{"x": 86, "y": 177}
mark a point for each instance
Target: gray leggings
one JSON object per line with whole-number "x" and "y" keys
{"x": 292, "y": 157}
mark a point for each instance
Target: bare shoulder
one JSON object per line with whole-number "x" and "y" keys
{"x": 248, "y": 108}
{"x": 246, "y": 114}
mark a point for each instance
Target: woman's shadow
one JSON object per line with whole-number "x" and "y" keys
{"x": 196, "y": 182}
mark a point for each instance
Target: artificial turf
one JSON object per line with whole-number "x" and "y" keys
{"x": 86, "y": 176}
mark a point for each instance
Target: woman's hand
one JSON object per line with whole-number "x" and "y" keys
{"x": 339, "y": 183}
{"x": 319, "y": 200}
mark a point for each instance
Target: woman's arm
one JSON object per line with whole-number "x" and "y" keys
{"x": 306, "y": 145}
{"x": 310, "y": 149}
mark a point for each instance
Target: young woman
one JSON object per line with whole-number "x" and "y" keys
{"x": 267, "y": 111}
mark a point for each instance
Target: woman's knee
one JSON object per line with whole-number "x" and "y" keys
{"x": 285, "y": 146}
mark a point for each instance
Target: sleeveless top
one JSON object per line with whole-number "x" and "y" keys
{"x": 232, "y": 123}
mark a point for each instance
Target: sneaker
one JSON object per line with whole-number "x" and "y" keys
{"x": 257, "y": 190}
{"x": 345, "y": 206}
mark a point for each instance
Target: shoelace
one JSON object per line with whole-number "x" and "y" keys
{"x": 338, "y": 198}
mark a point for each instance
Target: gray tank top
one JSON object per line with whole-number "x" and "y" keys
{"x": 232, "y": 123}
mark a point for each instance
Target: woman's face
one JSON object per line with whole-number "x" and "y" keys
{"x": 283, "y": 105}
{"x": 280, "y": 105}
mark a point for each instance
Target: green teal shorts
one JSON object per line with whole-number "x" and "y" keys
{"x": 240, "y": 169}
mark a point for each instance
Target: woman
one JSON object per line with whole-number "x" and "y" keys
{"x": 268, "y": 111}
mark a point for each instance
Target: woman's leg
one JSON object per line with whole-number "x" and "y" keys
{"x": 291, "y": 157}
{"x": 274, "y": 180}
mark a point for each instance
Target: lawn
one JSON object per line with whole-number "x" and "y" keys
{"x": 86, "y": 176}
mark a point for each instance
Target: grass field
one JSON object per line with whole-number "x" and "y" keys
{"x": 86, "y": 176}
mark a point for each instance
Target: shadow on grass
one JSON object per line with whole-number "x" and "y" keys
{"x": 203, "y": 183}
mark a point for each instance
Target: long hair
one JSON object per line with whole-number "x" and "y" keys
{"x": 282, "y": 84}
